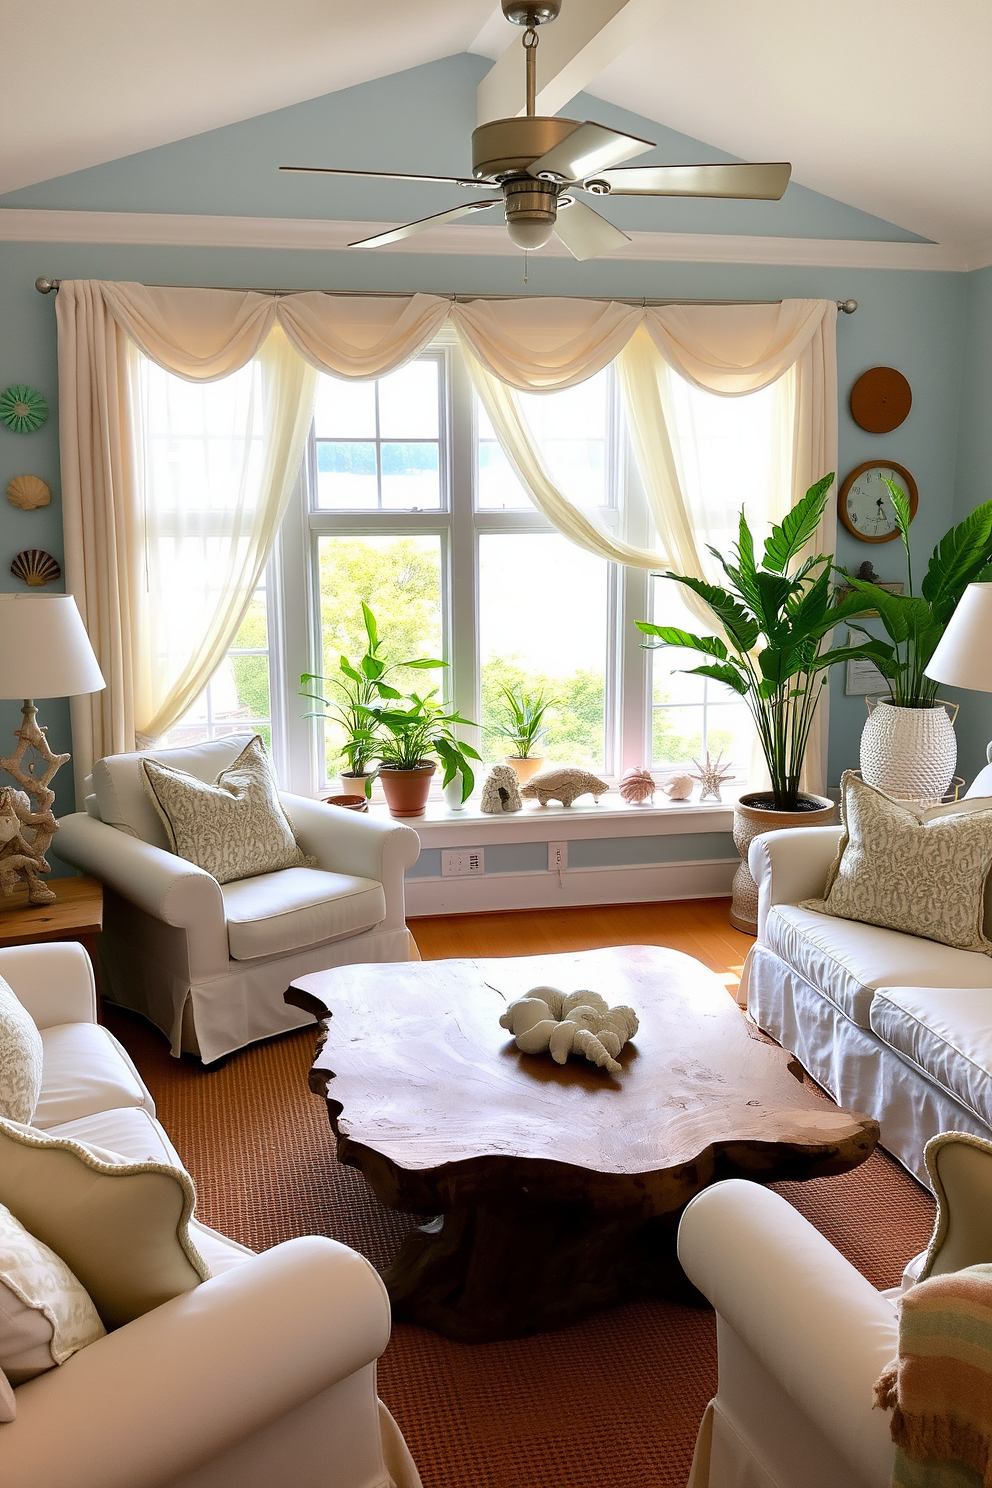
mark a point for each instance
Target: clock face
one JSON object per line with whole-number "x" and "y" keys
{"x": 865, "y": 503}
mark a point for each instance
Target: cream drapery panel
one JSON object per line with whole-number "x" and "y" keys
{"x": 531, "y": 344}
{"x": 155, "y": 668}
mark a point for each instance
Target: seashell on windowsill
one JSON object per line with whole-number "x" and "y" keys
{"x": 35, "y": 567}
{"x": 28, "y": 492}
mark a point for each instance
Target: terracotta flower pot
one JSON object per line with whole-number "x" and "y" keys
{"x": 525, "y": 765}
{"x": 406, "y": 791}
{"x": 754, "y": 815}
{"x": 347, "y": 802}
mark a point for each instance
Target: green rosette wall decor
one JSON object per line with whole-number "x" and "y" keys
{"x": 22, "y": 409}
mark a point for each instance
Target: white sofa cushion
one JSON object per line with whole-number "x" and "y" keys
{"x": 131, "y": 1133}
{"x": 298, "y": 907}
{"x": 947, "y": 1033}
{"x": 122, "y": 1227}
{"x": 124, "y": 802}
{"x": 45, "y": 1313}
{"x": 85, "y": 1071}
{"x": 21, "y": 1058}
{"x": 847, "y": 961}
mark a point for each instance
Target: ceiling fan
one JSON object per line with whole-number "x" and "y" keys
{"x": 536, "y": 163}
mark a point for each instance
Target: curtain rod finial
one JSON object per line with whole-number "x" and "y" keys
{"x": 847, "y": 307}
{"x": 45, "y": 286}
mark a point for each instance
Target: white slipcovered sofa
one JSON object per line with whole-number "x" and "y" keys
{"x": 890, "y": 1024}
{"x": 262, "y": 1376}
{"x": 208, "y": 963}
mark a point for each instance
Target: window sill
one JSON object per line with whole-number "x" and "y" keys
{"x": 555, "y": 823}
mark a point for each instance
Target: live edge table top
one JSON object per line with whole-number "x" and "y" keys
{"x": 430, "y": 1097}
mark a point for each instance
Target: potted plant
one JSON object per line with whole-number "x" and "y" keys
{"x": 775, "y": 619}
{"x": 412, "y": 738}
{"x": 908, "y": 746}
{"x": 523, "y": 727}
{"x": 355, "y": 688}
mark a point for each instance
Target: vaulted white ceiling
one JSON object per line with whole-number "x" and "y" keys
{"x": 883, "y": 104}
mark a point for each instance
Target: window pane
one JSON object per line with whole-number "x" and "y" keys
{"x": 691, "y": 715}
{"x": 408, "y": 402}
{"x": 253, "y": 632}
{"x": 346, "y": 476}
{"x": 410, "y": 477}
{"x": 399, "y": 578}
{"x": 543, "y": 627}
{"x": 344, "y": 409}
{"x": 570, "y": 430}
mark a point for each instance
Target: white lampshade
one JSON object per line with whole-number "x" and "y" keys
{"x": 44, "y": 649}
{"x": 964, "y": 653}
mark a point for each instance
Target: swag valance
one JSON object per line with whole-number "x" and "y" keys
{"x": 512, "y": 346}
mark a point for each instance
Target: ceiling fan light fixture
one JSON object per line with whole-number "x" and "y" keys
{"x": 531, "y": 209}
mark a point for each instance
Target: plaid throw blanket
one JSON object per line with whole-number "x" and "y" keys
{"x": 939, "y": 1389}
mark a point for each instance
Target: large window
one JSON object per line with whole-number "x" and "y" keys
{"x": 408, "y": 503}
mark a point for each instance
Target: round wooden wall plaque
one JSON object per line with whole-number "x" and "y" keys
{"x": 881, "y": 399}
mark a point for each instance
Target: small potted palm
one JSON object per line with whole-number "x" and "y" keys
{"x": 412, "y": 737}
{"x": 776, "y": 616}
{"x": 908, "y": 747}
{"x": 353, "y": 691}
{"x": 523, "y": 727}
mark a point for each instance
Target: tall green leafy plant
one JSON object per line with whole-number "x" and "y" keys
{"x": 523, "y": 721}
{"x": 354, "y": 690}
{"x": 915, "y": 623}
{"x": 775, "y": 619}
{"x": 420, "y": 731}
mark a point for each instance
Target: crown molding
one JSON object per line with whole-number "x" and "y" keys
{"x": 168, "y": 229}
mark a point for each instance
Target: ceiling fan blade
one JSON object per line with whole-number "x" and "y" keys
{"x": 409, "y": 229}
{"x": 760, "y": 182}
{"x": 327, "y": 170}
{"x": 588, "y": 149}
{"x": 584, "y": 232}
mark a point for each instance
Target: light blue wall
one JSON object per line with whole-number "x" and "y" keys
{"x": 915, "y": 321}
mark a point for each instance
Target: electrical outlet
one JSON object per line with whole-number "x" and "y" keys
{"x": 455, "y": 862}
{"x": 557, "y": 856}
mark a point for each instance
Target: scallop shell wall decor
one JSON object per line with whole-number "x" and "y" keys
{"x": 22, "y": 409}
{"x": 35, "y": 567}
{"x": 637, "y": 786}
{"x": 28, "y": 492}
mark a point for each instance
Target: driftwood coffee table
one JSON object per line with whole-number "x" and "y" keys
{"x": 553, "y": 1190}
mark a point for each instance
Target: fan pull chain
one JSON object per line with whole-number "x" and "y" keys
{"x": 526, "y": 256}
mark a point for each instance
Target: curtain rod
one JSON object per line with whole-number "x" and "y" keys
{"x": 846, "y": 307}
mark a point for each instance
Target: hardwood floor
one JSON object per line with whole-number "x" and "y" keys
{"x": 699, "y": 927}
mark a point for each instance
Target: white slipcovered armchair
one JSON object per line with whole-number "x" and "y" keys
{"x": 208, "y": 963}
{"x": 802, "y": 1336}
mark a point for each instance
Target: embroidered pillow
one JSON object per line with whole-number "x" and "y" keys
{"x": 235, "y": 828}
{"x": 122, "y": 1227}
{"x": 922, "y": 871}
{"x": 45, "y": 1314}
{"x": 20, "y": 1058}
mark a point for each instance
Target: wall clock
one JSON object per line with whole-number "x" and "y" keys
{"x": 880, "y": 400}
{"x": 864, "y": 505}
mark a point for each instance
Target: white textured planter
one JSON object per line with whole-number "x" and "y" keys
{"x": 452, "y": 793}
{"x": 909, "y": 753}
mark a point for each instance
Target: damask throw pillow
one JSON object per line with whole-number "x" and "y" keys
{"x": 235, "y": 828}
{"x": 920, "y": 870}
{"x": 20, "y": 1058}
{"x": 45, "y": 1313}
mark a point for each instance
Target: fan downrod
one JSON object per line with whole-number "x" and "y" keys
{"x": 531, "y": 13}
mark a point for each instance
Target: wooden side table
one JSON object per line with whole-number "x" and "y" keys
{"x": 76, "y": 914}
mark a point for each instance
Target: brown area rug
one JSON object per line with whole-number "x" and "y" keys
{"x": 613, "y": 1402}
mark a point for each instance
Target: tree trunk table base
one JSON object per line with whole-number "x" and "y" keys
{"x": 550, "y": 1191}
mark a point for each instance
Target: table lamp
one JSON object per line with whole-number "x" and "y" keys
{"x": 963, "y": 656}
{"x": 44, "y": 652}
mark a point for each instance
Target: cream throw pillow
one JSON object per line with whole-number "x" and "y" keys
{"x": 20, "y": 1058}
{"x": 920, "y": 870}
{"x": 121, "y": 1227}
{"x": 45, "y": 1314}
{"x": 235, "y": 828}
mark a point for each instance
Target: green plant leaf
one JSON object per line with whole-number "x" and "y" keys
{"x": 371, "y": 629}
{"x": 797, "y": 527}
{"x": 957, "y": 559}
{"x": 672, "y": 635}
{"x": 725, "y": 674}
{"x": 423, "y": 664}
{"x": 738, "y": 623}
